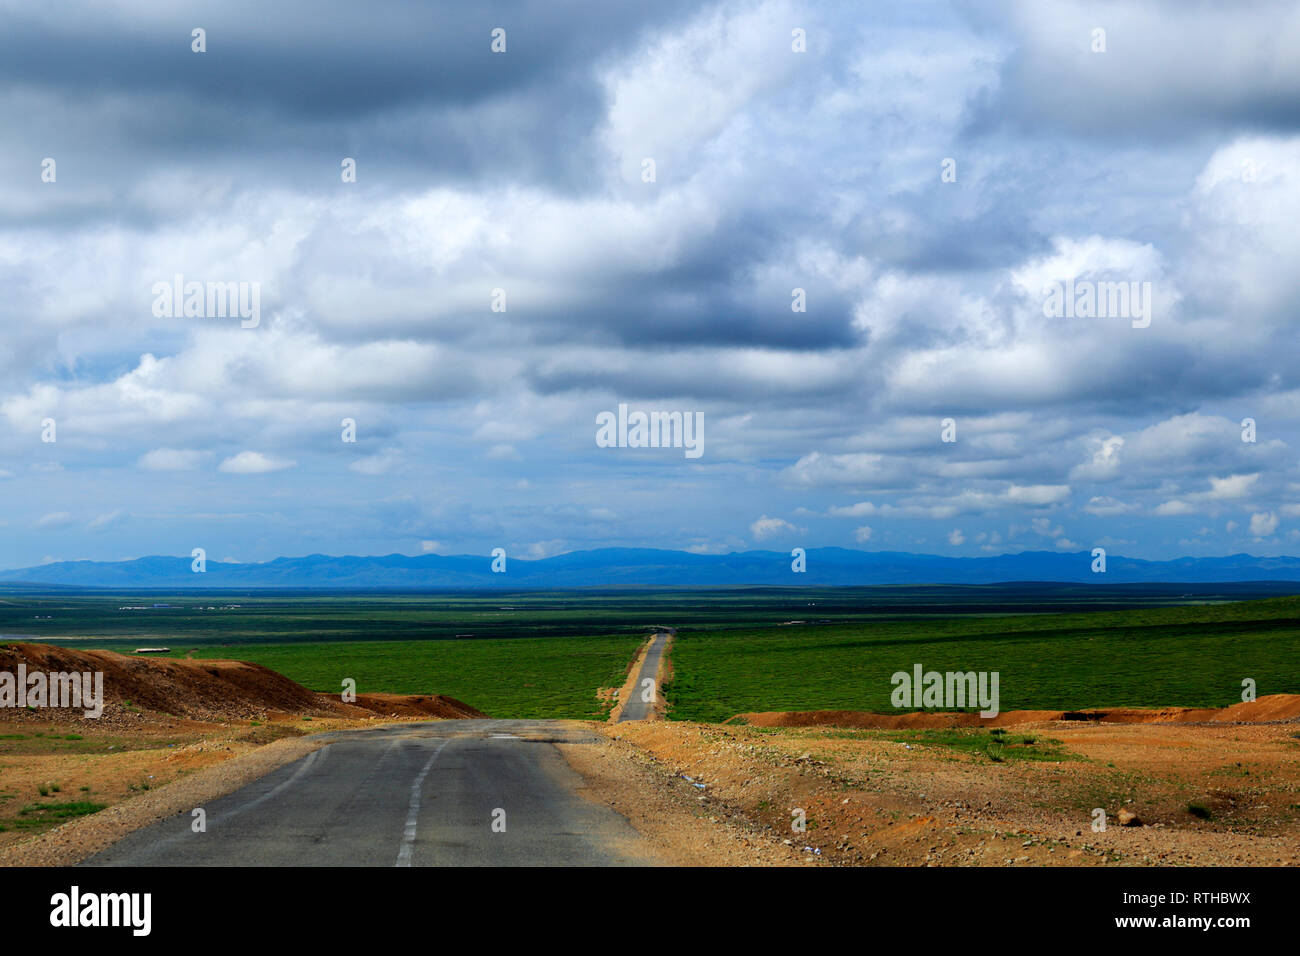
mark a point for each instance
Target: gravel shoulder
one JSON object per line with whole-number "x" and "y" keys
{"x": 683, "y": 824}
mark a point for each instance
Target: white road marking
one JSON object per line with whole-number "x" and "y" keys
{"x": 413, "y": 814}
{"x": 315, "y": 758}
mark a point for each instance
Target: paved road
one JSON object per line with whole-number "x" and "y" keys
{"x": 405, "y": 795}
{"x": 636, "y": 708}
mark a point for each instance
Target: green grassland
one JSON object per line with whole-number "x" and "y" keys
{"x": 1188, "y": 656}
{"x": 524, "y": 677}
{"x": 238, "y": 617}
{"x": 543, "y": 654}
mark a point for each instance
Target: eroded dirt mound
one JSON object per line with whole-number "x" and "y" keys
{"x": 197, "y": 689}
{"x": 1274, "y": 707}
{"x": 415, "y": 705}
{"x": 1270, "y": 707}
{"x": 207, "y": 690}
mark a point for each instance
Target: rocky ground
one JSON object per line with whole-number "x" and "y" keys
{"x": 1191, "y": 794}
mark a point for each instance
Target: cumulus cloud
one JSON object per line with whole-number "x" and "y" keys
{"x": 54, "y": 521}
{"x": 1105, "y": 506}
{"x": 1104, "y": 463}
{"x": 853, "y": 511}
{"x": 1233, "y": 486}
{"x": 100, "y": 522}
{"x": 765, "y": 527}
{"x": 1263, "y": 524}
{"x": 254, "y": 463}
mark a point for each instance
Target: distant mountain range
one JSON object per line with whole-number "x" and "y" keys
{"x": 643, "y": 567}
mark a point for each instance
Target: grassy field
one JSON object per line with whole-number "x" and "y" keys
{"x": 543, "y": 654}
{"x": 234, "y": 618}
{"x": 525, "y": 677}
{"x": 1188, "y": 656}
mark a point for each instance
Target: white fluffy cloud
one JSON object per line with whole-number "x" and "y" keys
{"x": 1263, "y": 524}
{"x": 765, "y": 527}
{"x": 254, "y": 463}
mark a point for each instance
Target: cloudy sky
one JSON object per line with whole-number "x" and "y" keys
{"x": 924, "y": 172}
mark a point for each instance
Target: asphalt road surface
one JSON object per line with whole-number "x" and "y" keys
{"x": 636, "y": 708}
{"x": 423, "y": 794}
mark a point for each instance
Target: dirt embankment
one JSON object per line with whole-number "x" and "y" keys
{"x": 1275, "y": 707}
{"x": 205, "y": 690}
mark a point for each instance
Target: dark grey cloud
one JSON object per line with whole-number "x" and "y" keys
{"x": 300, "y": 59}
{"x": 1168, "y": 70}
{"x": 411, "y": 90}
